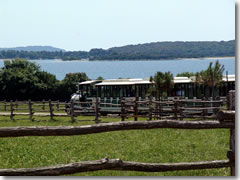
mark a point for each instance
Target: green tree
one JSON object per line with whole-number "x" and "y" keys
{"x": 46, "y": 86}
{"x": 100, "y": 78}
{"x": 68, "y": 85}
{"x": 163, "y": 83}
{"x": 21, "y": 79}
{"x": 212, "y": 76}
{"x": 186, "y": 74}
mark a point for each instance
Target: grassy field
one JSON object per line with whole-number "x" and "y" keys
{"x": 153, "y": 146}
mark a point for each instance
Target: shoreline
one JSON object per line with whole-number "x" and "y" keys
{"x": 204, "y": 58}
{"x": 86, "y": 60}
{"x": 209, "y": 58}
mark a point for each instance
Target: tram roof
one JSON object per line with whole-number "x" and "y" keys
{"x": 231, "y": 78}
{"x": 113, "y": 82}
{"x": 89, "y": 82}
{"x": 181, "y": 80}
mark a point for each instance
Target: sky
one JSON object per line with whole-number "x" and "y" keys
{"x": 86, "y": 24}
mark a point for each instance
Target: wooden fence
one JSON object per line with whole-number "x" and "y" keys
{"x": 150, "y": 108}
{"x": 30, "y": 108}
{"x": 176, "y": 108}
{"x": 226, "y": 120}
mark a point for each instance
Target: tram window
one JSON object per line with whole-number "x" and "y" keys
{"x": 94, "y": 92}
{"x": 114, "y": 91}
{"x": 140, "y": 91}
{"x": 124, "y": 91}
{"x": 102, "y": 91}
{"x": 80, "y": 88}
{"x": 144, "y": 91}
{"x": 117, "y": 91}
{"x": 88, "y": 91}
{"x": 127, "y": 91}
{"x": 107, "y": 91}
{"x": 121, "y": 91}
{"x": 98, "y": 92}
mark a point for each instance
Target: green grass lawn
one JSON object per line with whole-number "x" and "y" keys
{"x": 153, "y": 146}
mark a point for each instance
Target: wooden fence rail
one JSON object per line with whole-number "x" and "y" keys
{"x": 112, "y": 164}
{"x": 227, "y": 120}
{"x": 107, "y": 127}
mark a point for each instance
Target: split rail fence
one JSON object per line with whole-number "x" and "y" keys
{"x": 226, "y": 119}
{"x": 32, "y": 108}
{"x": 150, "y": 108}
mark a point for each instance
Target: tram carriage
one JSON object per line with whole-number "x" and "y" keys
{"x": 109, "y": 91}
{"x": 187, "y": 88}
{"x": 113, "y": 90}
{"x": 129, "y": 88}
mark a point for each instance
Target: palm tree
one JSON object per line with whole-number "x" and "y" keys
{"x": 163, "y": 82}
{"x": 168, "y": 82}
{"x": 212, "y": 76}
{"x": 197, "y": 84}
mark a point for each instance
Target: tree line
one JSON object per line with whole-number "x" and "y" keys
{"x": 23, "y": 80}
{"x": 147, "y": 51}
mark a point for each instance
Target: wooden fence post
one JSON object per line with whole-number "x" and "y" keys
{"x": 50, "y": 109}
{"x": 231, "y": 100}
{"x": 97, "y": 111}
{"x": 16, "y": 105}
{"x": 231, "y": 152}
{"x": 228, "y": 101}
{"x": 5, "y": 105}
{"x": 123, "y": 109}
{"x": 30, "y": 110}
{"x": 204, "y": 111}
{"x": 176, "y": 109}
{"x": 11, "y": 109}
{"x": 57, "y": 105}
{"x": 136, "y": 109}
{"x": 159, "y": 110}
{"x": 229, "y": 116}
{"x": 181, "y": 111}
{"x": 150, "y": 108}
{"x": 43, "y": 102}
{"x": 65, "y": 106}
{"x": 72, "y": 111}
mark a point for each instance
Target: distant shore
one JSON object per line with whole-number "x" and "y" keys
{"x": 209, "y": 57}
{"x": 199, "y": 58}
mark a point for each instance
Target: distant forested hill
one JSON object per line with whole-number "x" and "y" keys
{"x": 33, "y": 48}
{"x": 156, "y": 50}
{"x": 167, "y": 50}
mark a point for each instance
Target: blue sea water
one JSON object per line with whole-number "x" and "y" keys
{"x": 129, "y": 69}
